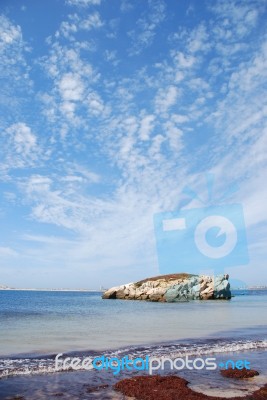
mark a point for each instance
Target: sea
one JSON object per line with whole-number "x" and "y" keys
{"x": 35, "y": 326}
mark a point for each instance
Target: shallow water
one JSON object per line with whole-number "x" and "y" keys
{"x": 37, "y": 325}
{"x": 53, "y": 322}
{"x": 87, "y": 384}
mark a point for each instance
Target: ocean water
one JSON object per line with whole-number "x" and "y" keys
{"x": 35, "y": 326}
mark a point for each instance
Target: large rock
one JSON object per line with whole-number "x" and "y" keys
{"x": 221, "y": 287}
{"x": 173, "y": 288}
{"x": 111, "y": 293}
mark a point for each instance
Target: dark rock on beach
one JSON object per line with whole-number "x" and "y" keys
{"x": 171, "y": 388}
{"x": 239, "y": 373}
{"x": 173, "y": 288}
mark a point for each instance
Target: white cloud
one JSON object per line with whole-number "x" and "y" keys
{"x": 83, "y": 3}
{"x": 52, "y": 205}
{"x": 67, "y": 59}
{"x": 143, "y": 36}
{"x": 179, "y": 119}
{"x": 71, "y": 87}
{"x": 14, "y": 71}
{"x": 9, "y": 33}
{"x": 198, "y": 40}
{"x": 237, "y": 114}
{"x": 95, "y": 104}
{"x": 155, "y": 151}
{"x": 71, "y": 78}
{"x": 111, "y": 56}
{"x": 126, "y": 6}
{"x": 184, "y": 61}
{"x": 166, "y": 98}
{"x": 86, "y": 174}
{"x": 68, "y": 109}
{"x": 77, "y": 23}
{"x": 92, "y": 21}
{"x": 200, "y": 86}
{"x": 146, "y": 126}
{"x": 23, "y": 139}
{"x": 11, "y": 42}
{"x": 67, "y": 29}
{"x": 174, "y": 135}
{"x": 73, "y": 178}
{"x": 236, "y": 19}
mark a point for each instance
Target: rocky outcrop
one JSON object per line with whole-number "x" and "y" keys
{"x": 173, "y": 288}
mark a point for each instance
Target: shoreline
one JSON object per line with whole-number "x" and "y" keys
{"x": 220, "y": 343}
{"x": 95, "y": 384}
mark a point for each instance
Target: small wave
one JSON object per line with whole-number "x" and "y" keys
{"x": 46, "y": 365}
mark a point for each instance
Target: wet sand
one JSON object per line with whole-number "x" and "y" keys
{"x": 82, "y": 385}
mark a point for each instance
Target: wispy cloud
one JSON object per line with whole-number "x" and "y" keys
{"x": 166, "y": 98}
{"x": 235, "y": 20}
{"x": 143, "y": 36}
{"x": 76, "y": 23}
{"x": 20, "y": 148}
{"x": 14, "y": 71}
{"x": 83, "y": 3}
{"x": 24, "y": 140}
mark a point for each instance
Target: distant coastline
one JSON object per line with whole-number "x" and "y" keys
{"x": 7, "y": 288}
{"x": 50, "y": 290}
{"x": 251, "y": 288}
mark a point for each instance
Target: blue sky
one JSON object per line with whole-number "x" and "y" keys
{"x": 108, "y": 110}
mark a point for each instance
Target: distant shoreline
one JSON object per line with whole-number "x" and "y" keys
{"x": 251, "y": 288}
{"x": 52, "y": 290}
{"x": 101, "y": 290}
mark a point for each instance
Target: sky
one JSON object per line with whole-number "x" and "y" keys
{"x": 108, "y": 110}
